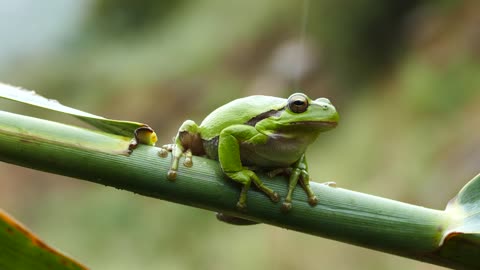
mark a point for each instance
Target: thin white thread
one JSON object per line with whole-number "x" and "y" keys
{"x": 302, "y": 40}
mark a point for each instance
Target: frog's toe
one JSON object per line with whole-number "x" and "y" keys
{"x": 188, "y": 162}
{"x": 168, "y": 147}
{"x": 275, "y": 197}
{"x": 172, "y": 175}
{"x": 286, "y": 206}
{"x": 313, "y": 201}
{"x": 241, "y": 206}
{"x": 163, "y": 152}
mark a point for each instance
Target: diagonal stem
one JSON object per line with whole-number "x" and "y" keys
{"x": 348, "y": 216}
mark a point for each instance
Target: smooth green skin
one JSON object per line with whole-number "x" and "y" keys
{"x": 257, "y": 133}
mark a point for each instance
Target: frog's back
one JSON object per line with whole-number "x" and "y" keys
{"x": 238, "y": 111}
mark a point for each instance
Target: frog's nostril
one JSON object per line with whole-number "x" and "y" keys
{"x": 325, "y": 107}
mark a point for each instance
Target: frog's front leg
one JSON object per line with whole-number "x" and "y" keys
{"x": 187, "y": 141}
{"x": 229, "y": 156}
{"x": 299, "y": 172}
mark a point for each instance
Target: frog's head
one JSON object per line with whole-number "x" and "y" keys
{"x": 305, "y": 114}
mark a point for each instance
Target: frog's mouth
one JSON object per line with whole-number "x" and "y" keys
{"x": 320, "y": 124}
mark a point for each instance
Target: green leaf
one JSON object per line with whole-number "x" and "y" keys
{"x": 21, "y": 249}
{"x": 461, "y": 239}
{"x": 142, "y": 132}
{"x": 465, "y": 210}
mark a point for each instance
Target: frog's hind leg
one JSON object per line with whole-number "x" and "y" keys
{"x": 187, "y": 139}
{"x": 229, "y": 157}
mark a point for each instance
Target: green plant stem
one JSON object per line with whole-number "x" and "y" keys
{"x": 343, "y": 215}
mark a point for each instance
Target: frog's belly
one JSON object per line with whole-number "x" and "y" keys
{"x": 273, "y": 154}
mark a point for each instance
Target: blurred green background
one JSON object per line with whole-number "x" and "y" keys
{"x": 404, "y": 75}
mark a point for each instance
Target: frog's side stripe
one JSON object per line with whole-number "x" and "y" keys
{"x": 252, "y": 122}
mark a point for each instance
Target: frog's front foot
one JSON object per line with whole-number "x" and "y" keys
{"x": 172, "y": 175}
{"x": 165, "y": 149}
{"x": 163, "y": 153}
{"x": 287, "y": 205}
{"x": 177, "y": 153}
{"x": 188, "y": 159}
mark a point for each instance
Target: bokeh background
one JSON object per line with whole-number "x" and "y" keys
{"x": 404, "y": 76}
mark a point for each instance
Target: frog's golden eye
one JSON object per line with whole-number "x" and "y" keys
{"x": 298, "y": 103}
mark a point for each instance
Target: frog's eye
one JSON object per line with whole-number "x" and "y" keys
{"x": 298, "y": 103}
